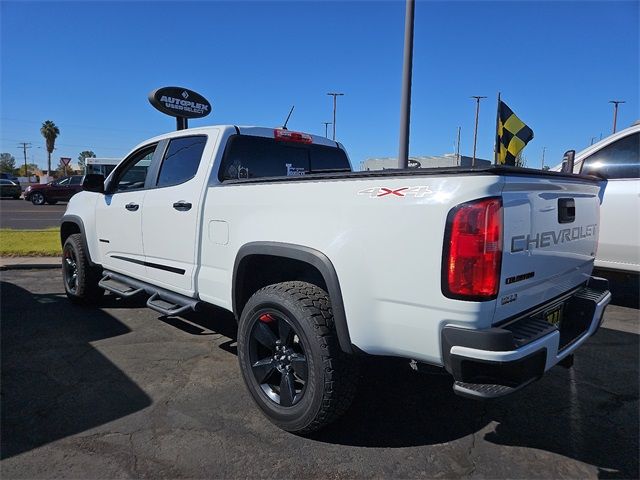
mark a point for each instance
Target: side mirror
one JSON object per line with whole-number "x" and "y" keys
{"x": 568, "y": 161}
{"x": 93, "y": 182}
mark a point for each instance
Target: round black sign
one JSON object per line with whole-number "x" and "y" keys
{"x": 180, "y": 102}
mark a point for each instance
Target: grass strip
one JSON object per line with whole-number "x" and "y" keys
{"x": 30, "y": 243}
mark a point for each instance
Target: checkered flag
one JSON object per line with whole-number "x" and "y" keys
{"x": 512, "y": 136}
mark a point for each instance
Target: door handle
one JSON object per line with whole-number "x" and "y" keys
{"x": 132, "y": 207}
{"x": 182, "y": 206}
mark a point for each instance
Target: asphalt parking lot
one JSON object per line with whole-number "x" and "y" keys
{"x": 117, "y": 392}
{"x": 22, "y": 215}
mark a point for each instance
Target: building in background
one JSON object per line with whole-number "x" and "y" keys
{"x": 423, "y": 161}
{"x": 99, "y": 165}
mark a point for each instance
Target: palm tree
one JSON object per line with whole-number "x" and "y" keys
{"x": 50, "y": 132}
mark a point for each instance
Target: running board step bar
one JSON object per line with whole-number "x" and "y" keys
{"x": 118, "y": 288}
{"x": 169, "y": 308}
{"x": 163, "y": 301}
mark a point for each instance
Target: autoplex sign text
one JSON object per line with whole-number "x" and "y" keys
{"x": 180, "y": 102}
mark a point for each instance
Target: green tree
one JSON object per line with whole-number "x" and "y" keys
{"x": 521, "y": 160}
{"x": 546, "y": 167}
{"x": 31, "y": 168}
{"x": 50, "y": 132}
{"x": 83, "y": 156}
{"x": 7, "y": 163}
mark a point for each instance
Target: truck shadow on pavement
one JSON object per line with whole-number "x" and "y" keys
{"x": 54, "y": 383}
{"x": 588, "y": 413}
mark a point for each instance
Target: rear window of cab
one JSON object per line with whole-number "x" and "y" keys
{"x": 248, "y": 156}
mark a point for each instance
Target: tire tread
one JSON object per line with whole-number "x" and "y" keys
{"x": 340, "y": 369}
{"x": 88, "y": 290}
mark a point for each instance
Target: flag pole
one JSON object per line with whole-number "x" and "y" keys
{"x": 496, "y": 148}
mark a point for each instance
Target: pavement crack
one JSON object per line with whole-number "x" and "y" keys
{"x": 471, "y": 453}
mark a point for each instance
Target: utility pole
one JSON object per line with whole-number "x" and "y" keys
{"x": 475, "y": 131}
{"x": 326, "y": 127}
{"x": 592, "y": 140}
{"x": 24, "y": 146}
{"x": 544, "y": 149}
{"x": 405, "y": 100}
{"x": 458, "y": 147}
{"x": 334, "y": 95}
{"x": 615, "y": 112}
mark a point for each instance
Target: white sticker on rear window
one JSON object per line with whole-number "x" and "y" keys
{"x": 294, "y": 171}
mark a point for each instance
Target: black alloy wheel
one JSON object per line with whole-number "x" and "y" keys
{"x": 290, "y": 357}
{"x": 79, "y": 276}
{"x": 70, "y": 269}
{"x": 277, "y": 356}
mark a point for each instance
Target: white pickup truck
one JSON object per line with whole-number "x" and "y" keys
{"x": 485, "y": 271}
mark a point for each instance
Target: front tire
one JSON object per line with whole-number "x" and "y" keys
{"x": 37, "y": 198}
{"x": 290, "y": 358}
{"x": 80, "y": 278}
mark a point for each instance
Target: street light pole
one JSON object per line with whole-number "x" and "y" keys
{"x": 326, "y": 127}
{"x": 475, "y": 131}
{"x": 544, "y": 149}
{"x": 615, "y": 112}
{"x": 405, "y": 101}
{"x": 334, "y": 95}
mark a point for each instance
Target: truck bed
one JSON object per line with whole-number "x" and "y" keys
{"x": 418, "y": 172}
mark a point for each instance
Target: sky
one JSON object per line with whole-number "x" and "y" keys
{"x": 89, "y": 67}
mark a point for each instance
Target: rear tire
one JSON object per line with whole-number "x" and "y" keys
{"x": 290, "y": 357}
{"x": 37, "y": 198}
{"x": 80, "y": 278}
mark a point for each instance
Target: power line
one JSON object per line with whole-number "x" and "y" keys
{"x": 25, "y": 145}
{"x": 326, "y": 128}
{"x": 615, "y": 112}
{"x": 335, "y": 95}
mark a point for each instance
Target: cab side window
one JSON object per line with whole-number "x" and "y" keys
{"x": 617, "y": 160}
{"x": 134, "y": 173}
{"x": 181, "y": 160}
{"x": 76, "y": 180}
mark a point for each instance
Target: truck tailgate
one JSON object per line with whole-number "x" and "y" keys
{"x": 550, "y": 239}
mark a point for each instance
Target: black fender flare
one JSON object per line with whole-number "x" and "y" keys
{"x": 75, "y": 219}
{"x": 304, "y": 254}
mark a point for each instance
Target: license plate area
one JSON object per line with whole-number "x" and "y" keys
{"x": 553, "y": 315}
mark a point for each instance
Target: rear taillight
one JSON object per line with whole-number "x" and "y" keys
{"x": 288, "y": 136}
{"x": 473, "y": 250}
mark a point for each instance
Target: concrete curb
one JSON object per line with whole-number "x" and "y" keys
{"x": 28, "y": 263}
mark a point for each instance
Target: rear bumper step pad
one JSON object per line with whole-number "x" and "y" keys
{"x": 500, "y": 360}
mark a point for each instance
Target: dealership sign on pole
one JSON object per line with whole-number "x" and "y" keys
{"x": 181, "y": 103}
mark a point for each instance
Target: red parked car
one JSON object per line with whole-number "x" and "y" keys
{"x": 60, "y": 190}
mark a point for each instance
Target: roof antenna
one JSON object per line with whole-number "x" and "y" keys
{"x": 284, "y": 127}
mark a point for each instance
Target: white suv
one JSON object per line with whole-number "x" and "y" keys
{"x": 616, "y": 159}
